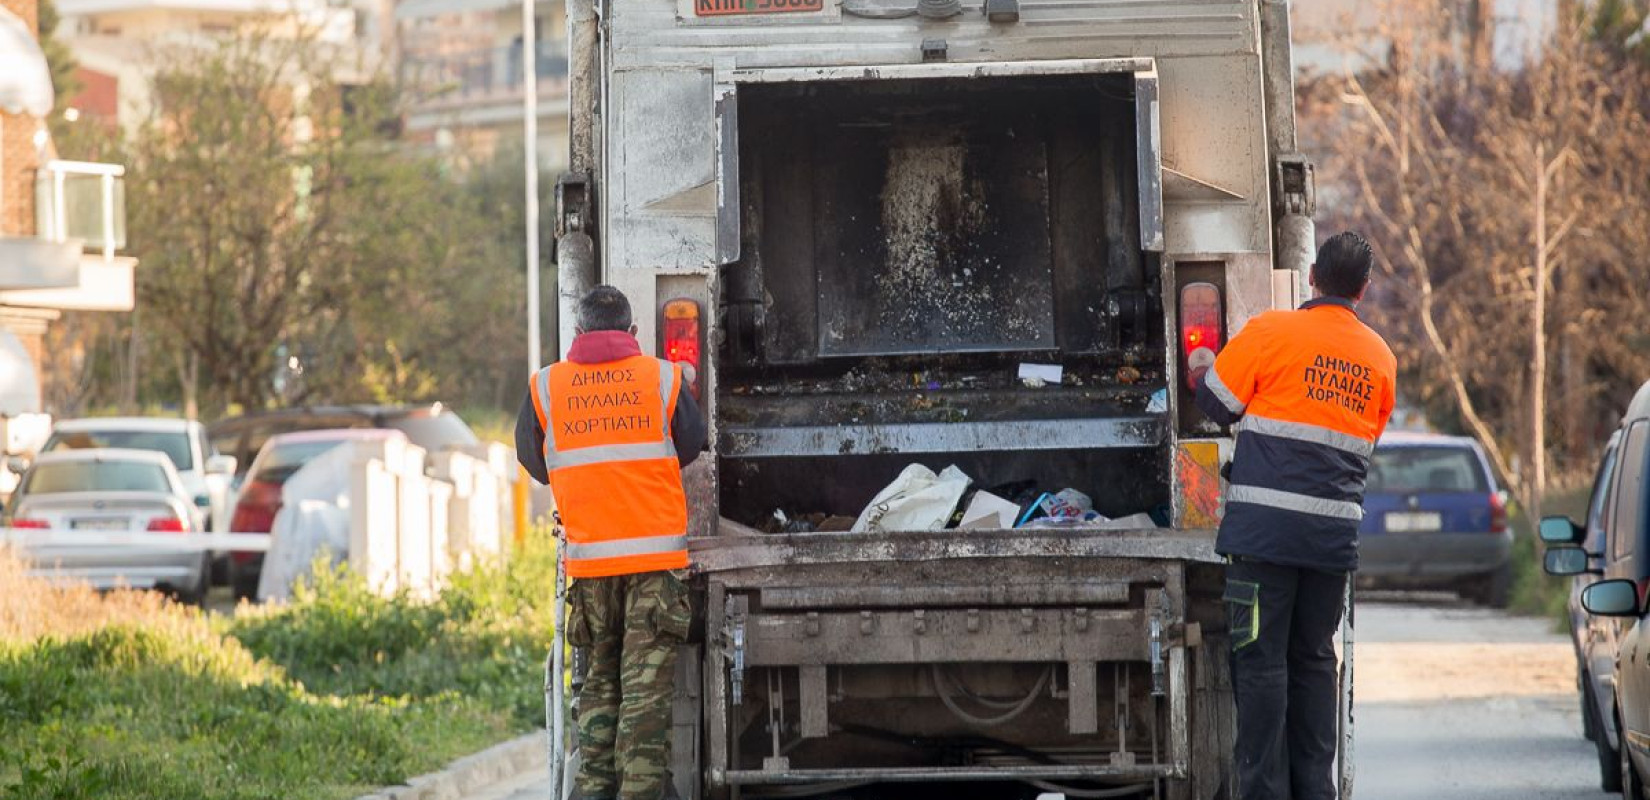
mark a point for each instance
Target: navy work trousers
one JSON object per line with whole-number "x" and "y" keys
{"x": 1283, "y": 622}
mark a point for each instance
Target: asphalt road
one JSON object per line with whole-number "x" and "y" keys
{"x": 1454, "y": 703}
{"x": 1460, "y": 703}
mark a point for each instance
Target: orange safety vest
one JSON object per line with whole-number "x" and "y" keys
{"x": 612, "y": 464}
{"x": 1311, "y": 391}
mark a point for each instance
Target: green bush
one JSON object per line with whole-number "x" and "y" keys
{"x": 484, "y": 637}
{"x": 338, "y": 692}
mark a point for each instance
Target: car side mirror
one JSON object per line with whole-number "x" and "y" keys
{"x": 221, "y": 465}
{"x": 1612, "y": 598}
{"x": 1566, "y": 561}
{"x": 1560, "y": 530}
{"x": 17, "y": 464}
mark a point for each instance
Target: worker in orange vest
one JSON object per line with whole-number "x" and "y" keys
{"x": 1308, "y": 392}
{"x": 610, "y": 429}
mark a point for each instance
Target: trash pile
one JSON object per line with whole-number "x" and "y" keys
{"x": 922, "y": 500}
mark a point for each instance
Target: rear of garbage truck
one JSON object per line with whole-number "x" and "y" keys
{"x": 905, "y": 240}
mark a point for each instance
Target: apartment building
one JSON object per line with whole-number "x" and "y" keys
{"x": 462, "y": 60}
{"x": 62, "y": 223}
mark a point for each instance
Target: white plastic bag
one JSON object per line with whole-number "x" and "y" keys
{"x": 918, "y": 500}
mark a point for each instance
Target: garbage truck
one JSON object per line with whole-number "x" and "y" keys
{"x": 1003, "y": 236}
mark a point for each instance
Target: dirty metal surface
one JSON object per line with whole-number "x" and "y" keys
{"x": 740, "y": 547}
{"x": 935, "y": 235}
{"x": 955, "y": 636}
{"x": 941, "y": 437}
{"x": 1043, "y": 593}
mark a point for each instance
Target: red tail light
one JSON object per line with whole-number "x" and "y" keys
{"x": 1498, "y": 513}
{"x": 30, "y": 524}
{"x": 255, "y": 513}
{"x": 681, "y": 335}
{"x": 1200, "y": 315}
{"x": 166, "y": 525}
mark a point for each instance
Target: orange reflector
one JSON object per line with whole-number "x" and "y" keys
{"x": 1197, "y": 472}
{"x": 681, "y": 308}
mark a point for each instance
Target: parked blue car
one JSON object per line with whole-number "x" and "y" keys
{"x": 1434, "y": 518}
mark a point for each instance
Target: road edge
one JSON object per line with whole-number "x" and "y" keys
{"x": 473, "y": 772}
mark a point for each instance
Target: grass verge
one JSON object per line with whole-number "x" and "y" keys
{"x": 125, "y": 696}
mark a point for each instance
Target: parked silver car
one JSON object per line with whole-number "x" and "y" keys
{"x": 82, "y": 502}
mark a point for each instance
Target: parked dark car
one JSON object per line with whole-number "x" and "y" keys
{"x": 433, "y": 427}
{"x": 1611, "y": 548}
{"x": 1434, "y": 518}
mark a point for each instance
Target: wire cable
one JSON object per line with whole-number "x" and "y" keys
{"x": 1091, "y": 794}
{"x": 941, "y": 686}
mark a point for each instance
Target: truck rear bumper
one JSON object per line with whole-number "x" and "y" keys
{"x": 740, "y": 547}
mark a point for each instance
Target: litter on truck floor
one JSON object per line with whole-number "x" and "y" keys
{"x": 917, "y": 500}
{"x": 1041, "y": 374}
{"x": 987, "y": 510}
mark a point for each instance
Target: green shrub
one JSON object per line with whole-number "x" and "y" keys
{"x": 484, "y": 637}
{"x": 327, "y": 697}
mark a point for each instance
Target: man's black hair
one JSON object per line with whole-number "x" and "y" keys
{"x": 604, "y": 308}
{"x": 1343, "y": 265}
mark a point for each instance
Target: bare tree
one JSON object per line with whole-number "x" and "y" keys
{"x": 1502, "y": 199}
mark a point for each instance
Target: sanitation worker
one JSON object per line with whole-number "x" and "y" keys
{"x": 1309, "y": 392}
{"x": 610, "y": 429}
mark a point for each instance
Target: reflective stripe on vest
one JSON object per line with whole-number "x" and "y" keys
{"x": 1306, "y": 432}
{"x": 616, "y": 548}
{"x": 1221, "y": 392}
{"x": 555, "y": 459}
{"x": 1290, "y": 501}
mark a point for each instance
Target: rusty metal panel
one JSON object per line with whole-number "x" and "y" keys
{"x": 950, "y": 636}
{"x": 1044, "y": 593}
{"x": 738, "y": 547}
{"x": 1083, "y": 697}
{"x": 814, "y": 697}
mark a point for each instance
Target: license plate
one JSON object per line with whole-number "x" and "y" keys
{"x": 726, "y": 8}
{"x": 98, "y": 524}
{"x": 1414, "y": 522}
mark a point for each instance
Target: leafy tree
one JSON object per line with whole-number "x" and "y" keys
{"x": 295, "y": 250}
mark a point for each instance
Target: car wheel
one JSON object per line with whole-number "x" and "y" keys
{"x": 1493, "y": 590}
{"x": 244, "y": 581}
{"x": 1629, "y": 782}
{"x": 1609, "y": 759}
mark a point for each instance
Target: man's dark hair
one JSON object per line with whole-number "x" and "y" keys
{"x": 1343, "y": 265}
{"x": 604, "y": 308}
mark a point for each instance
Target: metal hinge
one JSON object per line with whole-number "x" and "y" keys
{"x": 1295, "y": 188}
{"x": 573, "y": 204}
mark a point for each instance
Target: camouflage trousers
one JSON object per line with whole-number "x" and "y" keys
{"x": 630, "y": 626}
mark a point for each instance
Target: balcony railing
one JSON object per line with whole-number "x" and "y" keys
{"x": 484, "y": 72}
{"x": 82, "y": 200}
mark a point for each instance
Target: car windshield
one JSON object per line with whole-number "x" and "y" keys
{"x": 285, "y": 458}
{"x": 96, "y": 476}
{"x": 1426, "y": 469}
{"x": 174, "y": 444}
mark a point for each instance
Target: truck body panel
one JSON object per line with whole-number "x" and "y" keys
{"x": 881, "y": 216}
